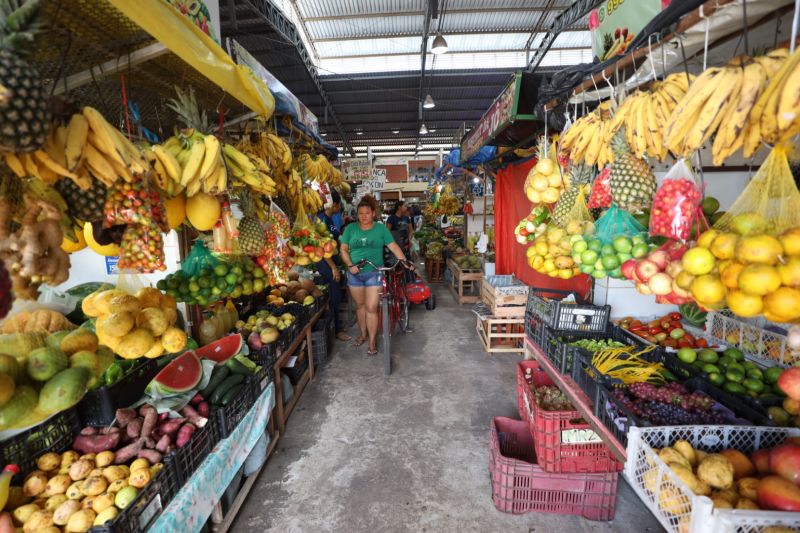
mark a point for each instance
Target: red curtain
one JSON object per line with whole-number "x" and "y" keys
{"x": 510, "y": 206}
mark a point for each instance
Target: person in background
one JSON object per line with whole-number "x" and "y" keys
{"x": 365, "y": 239}
{"x": 328, "y": 268}
{"x": 400, "y": 225}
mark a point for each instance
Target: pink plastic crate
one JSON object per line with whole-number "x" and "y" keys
{"x": 519, "y": 485}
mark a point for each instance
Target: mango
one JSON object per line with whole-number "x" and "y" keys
{"x": 64, "y": 390}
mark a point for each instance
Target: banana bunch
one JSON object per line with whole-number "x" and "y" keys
{"x": 308, "y": 201}
{"x": 87, "y": 147}
{"x": 189, "y": 161}
{"x": 584, "y": 141}
{"x": 644, "y": 114}
{"x": 734, "y": 102}
{"x": 316, "y": 168}
{"x": 776, "y": 114}
{"x": 269, "y": 147}
{"x": 289, "y": 185}
{"x": 252, "y": 172}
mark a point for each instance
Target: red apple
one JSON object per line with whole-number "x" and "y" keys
{"x": 660, "y": 258}
{"x": 660, "y": 283}
{"x": 678, "y": 291}
{"x": 644, "y": 289}
{"x": 661, "y": 299}
{"x": 784, "y": 460}
{"x": 628, "y": 268}
{"x": 674, "y": 268}
{"x": 778, "y": 494}
{"x": 760, "y": 459}
{"x": 646, "y": 269}
{"x": 789, "y": 382}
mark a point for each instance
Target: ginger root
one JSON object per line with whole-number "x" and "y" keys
{"x": 32, "y": 251}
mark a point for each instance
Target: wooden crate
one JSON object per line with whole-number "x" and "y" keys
{"x": 464, "y": 284}
{"x": 434, "y": 270}
{"x": 503, "y": 305}
{"x": 502, "y": 335}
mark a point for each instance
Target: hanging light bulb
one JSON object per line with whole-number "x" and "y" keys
{"x": 395, "y": 131}
{"x": 439, "y": 45}
{"x": 423, "y": 130}
{"x": 428, "y": 103}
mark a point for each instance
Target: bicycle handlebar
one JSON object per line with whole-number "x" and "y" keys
{"x": 363, "y": 262}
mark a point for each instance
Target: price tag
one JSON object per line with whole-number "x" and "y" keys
{"x": 147, "y": 514}
{"x": 264, "y": 382}
{"x": 579, "y": 436}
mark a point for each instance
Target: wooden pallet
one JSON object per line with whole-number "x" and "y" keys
{"x": 464, "y": 284}
{"x": 502, "y": 335}
{"x": 503, "y": 305}
{"x": 434, "y": 270}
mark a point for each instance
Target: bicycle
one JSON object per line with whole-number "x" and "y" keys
{"x": 394, "y": 305}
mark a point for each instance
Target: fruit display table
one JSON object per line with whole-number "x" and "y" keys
{"x": 465, "y": 283}
{"x": 195, "y": 502}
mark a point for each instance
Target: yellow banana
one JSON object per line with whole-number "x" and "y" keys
{"x": 42, "y": 157}
{"x": 168, "y": 161}
{"x": 688, "y": 109}
{"x": 98, "y": 165}
{"x": 211, "y": 158}
{"x": 766, "y": 106}
{"x": 755, "y": 77}
{"x": 789, "y": 101}
{"x": 714, "y": 108}
{"x": 193, "y": 161}
{"x": 15, "y": 164}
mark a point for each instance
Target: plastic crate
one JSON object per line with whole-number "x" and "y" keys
{"x": 99, "y": 406}
{"x": 54, "y": 434}
{"x": 322, "y": 340}
{"x": 295, "y": 373}
{"x": 519, "y": 485}
{"x": 535, "y": 329}
{"x": 751, "y": 336}
{"x": 184, "y": 461}
{"x": 572, "y": 317}
{"x": 564, "y": 441}
{"x": 227, "y": 417}
{"x": 679, "y": 510}
{"x": 140, "y": 514}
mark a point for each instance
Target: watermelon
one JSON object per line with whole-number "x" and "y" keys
{"x": 182, "y": 374}
{"x": 222, "y": 349}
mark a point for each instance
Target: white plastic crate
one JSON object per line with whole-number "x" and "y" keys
{"x": 507, "y": 284}
{"x": 674, "y": 505}
{"x": 749, "y": 335}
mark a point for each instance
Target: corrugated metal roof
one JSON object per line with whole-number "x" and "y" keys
{"x": 328, "y": 8}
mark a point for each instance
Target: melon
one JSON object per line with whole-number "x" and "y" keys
{"x": 203, "y": 211}
{"x": 222, "y": 349}
{"x": 182, "y": 374}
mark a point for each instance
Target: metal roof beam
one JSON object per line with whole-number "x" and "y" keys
{"x": 498, "y": 51}
{"x": 487, "y": 31}
{"x": 565, "y": 19}
{"x": 349, "y": 16}
{"x": 475, "y": 73}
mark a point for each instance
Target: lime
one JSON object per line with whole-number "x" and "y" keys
{"x": 708, "y": 368}
{"x": 238, "y": 270}
{"x": 755, "y": 373}
{"x": 734, "y": 353}
{"x": 161, "y": 285}
{"x": 753, "y": 385}
{"x": 710, "y": 205}
{"x": 249, "y": 266}
{"x": 258, "y": 273}
{"x": 216, "y": 291}
{"x": 221, "y": 283}
{"x": 716, "y": 379}
{"x": 220, "y": 270}
{"x": 734, "y": 375}
{"x": 247, "y": 285}
{"x": 183, "y": 288}
{"x": 202, "y": 300}
{"x": 237, "y": 292}
{"x": 193, "y": 286}
{"x": 772, "y": 374}
{"x": 258, "y": 285}
{"x": 231, "y": 279}
{"x": 172, "y": 292}
{"x": 735, "y": 388}
{"x": 205, "y": 271}
{"x": 205, "y": 292}
{"x": 205, "y": 281}
{"x": 172, "y": 282}
{"x": 724, "y": 361}
{"x": 708, "y": 356}
{"x": 687, "y": 355}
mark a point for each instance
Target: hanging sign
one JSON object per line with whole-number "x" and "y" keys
{"x": 377, "y": 181}
{"x": 357, "y": 169}
{"x": 616, "y": 22}
{"x": 496, "y": 118}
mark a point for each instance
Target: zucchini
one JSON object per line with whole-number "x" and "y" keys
{"x": 224, "y": 387}
{"x": 219, "y": 373}
{"x": 237, "y": 368}
{"x": 231, "y": 394}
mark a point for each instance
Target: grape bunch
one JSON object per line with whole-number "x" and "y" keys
{"x": 672, "y": 394}
{"x": 673, "y": 415}
{"x": 671, "y": 404}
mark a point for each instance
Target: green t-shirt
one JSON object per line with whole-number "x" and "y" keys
{"x": 367, "y": 244}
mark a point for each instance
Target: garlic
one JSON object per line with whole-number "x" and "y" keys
{"x": 793, "y": 338}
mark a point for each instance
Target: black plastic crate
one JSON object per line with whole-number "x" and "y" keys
{"x": 287, "y": 337}
{"x": 322, "y": 339}
{"x": 227, "y": 417}
{"x": 54, "y": 434}
{"x": 145, "y": 508}
{"x": 535, "y": 329}
{"x": 266, "y": 355}
{"x": 581, "y": 316}
{"x": 184, "y": 461}
{"x": 295, "y": 373}
{"x": 99, "y": 406}
{"x": 556, "y": 345}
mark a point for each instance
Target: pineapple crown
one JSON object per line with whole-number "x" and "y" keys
{"x": 582, "y": 174}
{"x": 542, "y": 147}
{"x": 19, "y": 24}
{"x": 188, "y": 111}
{"x": 619, "y": 143}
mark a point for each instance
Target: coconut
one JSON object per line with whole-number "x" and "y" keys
{"x": 307, "y": 284}
{"x": 293, "y": 275}
{"x": 300, "y": 295}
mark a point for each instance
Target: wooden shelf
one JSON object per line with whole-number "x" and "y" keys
{"x": 578, "y": 398}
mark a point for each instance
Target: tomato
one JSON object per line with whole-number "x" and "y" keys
{"x": 636, "y": 323}
{"x": 638, "y": 327}
{"x": 675, "y": 316}
{"x": 654, "y": 330}
{"x": 701, "y": 343}
{"x": 683, "y": 343}
{"x": 689, "y": 337}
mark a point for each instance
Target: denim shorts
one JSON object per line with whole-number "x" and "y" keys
{"x": 364, "y": 279}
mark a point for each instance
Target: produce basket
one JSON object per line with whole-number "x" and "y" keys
{"x": 227, "y": 417}
{"x": 556, "y": 346}
{"x": 98, "y": 406}
{"x": 184, "y": 461}
{"x": 564, "y": 442}
{"x": 672, "y": 502}
{"x": 321, "y": 339}
{"x": 760, "y": 340}
{"x": 140, "y": 514}
{"x": 580, "y": 316}
{"x": 55, "y": 433}
{"x": 505, "y": 296}
{"x": 519, "y": 485}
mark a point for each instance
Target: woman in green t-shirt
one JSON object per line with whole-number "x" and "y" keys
{"x": 365, "y": 239}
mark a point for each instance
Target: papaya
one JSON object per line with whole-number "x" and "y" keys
{"x": 79, "y": 340}
{"x": 20, "y": 345}
{"x": 64, "y": 390}
{"x": 11, "y": 366}
{"x": 54, "y": 339}
{"x": 44, "y": 363}
{"x": 23, "y": 401}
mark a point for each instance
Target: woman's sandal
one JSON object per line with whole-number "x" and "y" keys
{"x": 359, "y": 341}
{"x": 372, "y": 352}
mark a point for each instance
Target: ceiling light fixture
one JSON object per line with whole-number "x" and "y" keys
{"x": 323, "y": 134}
{"x": 359, "y": 132}
{"x": 423, "y": 130}
{"x": 395, "y": 131}
{"x": 476, "y": 180}
{"x": 439, "y": 45}
{"x": 432, "y": 130}
{"x": 428, "y": 103}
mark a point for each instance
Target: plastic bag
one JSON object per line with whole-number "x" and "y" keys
{"x": 135, "y": 202}
{"x": 199, "y": 257}
{"x": 770, "y": 203}
{"x": 142, "y": 250}
{"x": 130, "y": 282}
{"x": 616, "y": 222}
{"x": 677, "y": 204}
{"x": 601, "y": 190}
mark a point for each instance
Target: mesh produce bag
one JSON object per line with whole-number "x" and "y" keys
{"x": 142, "y": 250}
{"x": 601, "y": 190}
{"x": 199, "y": 256}
{"x": 616, "y": 222}
{"x": 770, "y": 203}
{"x": 579, "y": 212}
{"x": 677, "y": 204}
{"x": 135, "y": 202}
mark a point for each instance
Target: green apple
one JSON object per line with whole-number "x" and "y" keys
{"x": 595, "y": 245}
{"x": 623, "y": 244}
{"x": 616, "y": 273}
{"x": 610, "y": 262}
{"x": 580, "y": 246}
{"x": 608, "y": 249}
{"x": 598, "y": 265}
{"x": 624, "y": 257}
{"x": 587, "y": 269}
{"x": 577, "y": 258}
{"x": 640, "y": 249}
{"x": 638, "y": 239}
{"x": 599, "y": 274}
{"x": 589, "y": 257}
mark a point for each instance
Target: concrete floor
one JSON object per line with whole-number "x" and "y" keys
{"x": 363, "y": 452}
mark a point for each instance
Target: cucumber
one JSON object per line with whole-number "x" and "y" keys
{"x": 225, "y": 386}
{"x": 219, "y": 373}
{"x": 237, "y": 368}
{"x": 231, "y": 394}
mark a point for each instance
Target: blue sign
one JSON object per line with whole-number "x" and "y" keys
{"x": 111, "y": 264}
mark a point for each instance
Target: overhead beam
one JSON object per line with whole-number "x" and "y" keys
{"x": 452, "y": 32}
{"x": 385, "y": 14}
{"x": 564, "y": 20}
{"x": 494, "y": 51}
{"x": 476, "y": 74}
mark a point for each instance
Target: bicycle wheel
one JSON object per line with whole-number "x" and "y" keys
{"x": 387, "y": 338}
{"x": 403, "y": 318}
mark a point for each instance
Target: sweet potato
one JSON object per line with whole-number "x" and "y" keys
{"x": 128, "y": 452}
{"x": 171, "y": 426}
{"x": 203, "y": 409}
{"x": 150, "y": 421}
{"x": 163, "y": 416}
{"x": 124, "y": 416}
{"x": 134, "y": 427}
{"x": 146, "y": 408}
{"x": 89, "y": 431}
{"x": 163, "y": 443}
{"x": 193, "y": 416}
{"x": 109, "y": 430}
{"x": 196, "y": 399}
{"x": 185, "y": 434}
{"x": 6, "y": 524}
{"x": 152, "y": 456}
{"x": 96, "y": 443}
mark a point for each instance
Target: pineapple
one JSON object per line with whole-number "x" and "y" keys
{"x": 189, "y": 113}
{"x": 633, "y": 183}
{"x": 85, "y": 206}
{"x": 581, "y": 176}
{"x": 24, "y": 112}
{"x": 251, "y": 233}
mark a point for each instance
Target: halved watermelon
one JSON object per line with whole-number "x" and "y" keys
{"x": 222, "y": 349}
{"x": 182, "y": 374}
